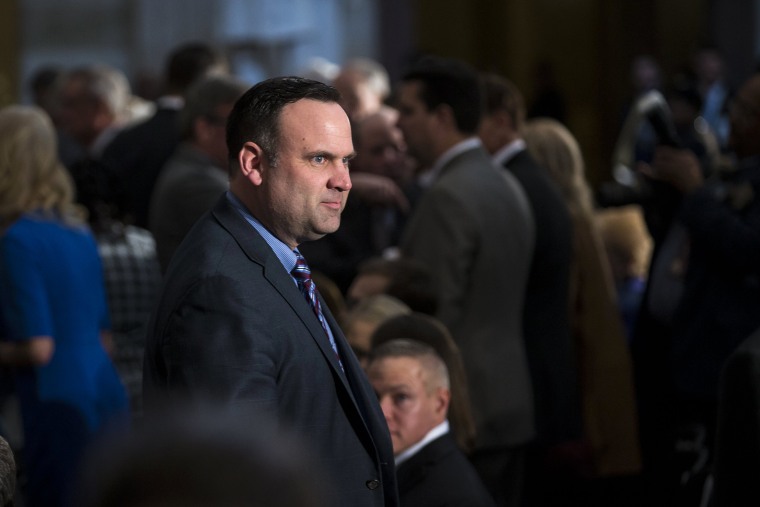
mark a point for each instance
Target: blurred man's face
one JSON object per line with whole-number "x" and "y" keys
{"x": 417, "y": 123}
{"x": 80, "y": 114}
{"x": 382, "y": 149}
{"x": 410, "y": 406}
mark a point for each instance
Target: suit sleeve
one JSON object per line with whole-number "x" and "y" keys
{"x": 220, "y": 343}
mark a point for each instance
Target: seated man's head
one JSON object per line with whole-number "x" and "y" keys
{"x": 412, "y": 385}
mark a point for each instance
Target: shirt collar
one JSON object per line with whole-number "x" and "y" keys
{"x": 429, "y": 177}
{"x": 283, "y": 252}
{"x": 431, "y": 435}
{"x": 508, "y": 151}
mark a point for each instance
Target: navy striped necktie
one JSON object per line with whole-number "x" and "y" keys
{"x": 308, "y": 288}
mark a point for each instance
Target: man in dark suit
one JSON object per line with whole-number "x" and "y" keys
{"x": 546, "y": 316}
{"x": 474, "y": 229}
{"x": 239, "y": 320}
{"x": 412, "y": 383}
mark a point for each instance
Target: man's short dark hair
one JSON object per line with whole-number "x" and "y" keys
{"x": 501, "y": 93}
{"x": 449, "y": 82}
{"x": 256, "y": 115}
{"x": 188, "y": 63}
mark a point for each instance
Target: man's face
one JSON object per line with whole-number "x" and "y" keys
{"x": 382, "y": 147}
{"x": 210, "y": 134}
{"x": 80, "y": 114}
{"x": 307, "y": 190}
{"x": 417, "y": 123}
{"x": 411, "y": 409}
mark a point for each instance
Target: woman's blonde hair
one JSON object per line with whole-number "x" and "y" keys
{"x": 31, "y": 175}
{"x": 553, "y": 146}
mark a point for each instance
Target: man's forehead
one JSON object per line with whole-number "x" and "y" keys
{"x": 398, "y": 366}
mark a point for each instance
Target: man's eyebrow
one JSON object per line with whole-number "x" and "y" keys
{"x": 330, "y": 155}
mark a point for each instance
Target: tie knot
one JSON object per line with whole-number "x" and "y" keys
{"x": 301, "y": 271}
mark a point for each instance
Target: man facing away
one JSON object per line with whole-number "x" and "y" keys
{"x": 473, "y": 228}
{"x": 546, "y": 318}
{"x": 239, "y": 320}
{"x": 412, "y": 383}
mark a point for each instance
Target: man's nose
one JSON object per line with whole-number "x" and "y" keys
{"x": 341, "y": 179}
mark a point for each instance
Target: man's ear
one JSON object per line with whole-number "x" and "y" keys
{"x": 251, "y": 162}
{"x": 442, "y": 399}
{"x": 444, "y": 115}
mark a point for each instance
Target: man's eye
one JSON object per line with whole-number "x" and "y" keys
{"x": 319, "y": 159}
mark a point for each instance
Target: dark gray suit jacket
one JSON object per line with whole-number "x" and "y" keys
{"x": 546, "y": 316}
{"x": 232, "y": 326}
{"x": 473, "y": 228}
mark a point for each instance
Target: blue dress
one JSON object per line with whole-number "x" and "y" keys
{"x": 51, "y": 284}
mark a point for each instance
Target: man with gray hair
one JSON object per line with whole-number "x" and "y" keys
{"x": 363, "y": 84}
{"x": 195, "y": 175}
{"x": 412, "y": 383}
{"x": 91, "y": 109}
{"x": 93, "y": 103}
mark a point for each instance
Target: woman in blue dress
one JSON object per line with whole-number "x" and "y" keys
{"x": 53, "y": 309}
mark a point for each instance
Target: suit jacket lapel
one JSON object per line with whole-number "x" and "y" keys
{"x": 259, "y": 252}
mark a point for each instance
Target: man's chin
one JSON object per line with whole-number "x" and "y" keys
{"x": 314, "y": 236}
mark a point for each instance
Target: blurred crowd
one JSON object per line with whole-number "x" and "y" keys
{"x": 582, "y": 346}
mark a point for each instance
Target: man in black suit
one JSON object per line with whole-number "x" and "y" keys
{"x": 412, "y": 383}
{"x": 240, "y": 322}
{"x": 546, "y": 317}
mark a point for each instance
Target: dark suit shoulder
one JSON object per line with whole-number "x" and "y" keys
{"x": 441, "y": 475}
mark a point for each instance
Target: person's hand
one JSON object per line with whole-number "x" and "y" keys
{"x": 678, "y": 167}
{"x": 379, "y": 190}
